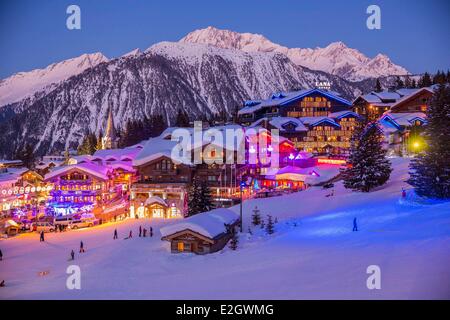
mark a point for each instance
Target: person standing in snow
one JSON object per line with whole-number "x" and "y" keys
{"x": 355, "y": 226}
{"x": 1, "y": 255}
{"x": 145, "y": 233}
{"x": 41, "y": 239}
{"x": 403, "y": 193}
{"x": 72, "y": 255}
{"x": 151, "y": 232}
{"x": 130, "y": 235}
{"x": 81, "y": 246}
{"x": 115, "y": 234}
{"x": 140, "y": 231}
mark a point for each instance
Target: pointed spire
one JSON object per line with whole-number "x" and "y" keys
{"x": 110, "y": 138}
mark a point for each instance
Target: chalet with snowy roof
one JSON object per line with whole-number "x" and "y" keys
{"x": 167, "y": 175}
{"x": 20, "y": 187}
{"x": 303, "y": 103}
{"x": 375, "y": 104}
{"x": 317, "y": 134}
{"x": 202, "y": 233}
{"x": 402, "y": 131}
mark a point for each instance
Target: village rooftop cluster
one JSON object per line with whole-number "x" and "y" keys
{"x": 305, "y": 135}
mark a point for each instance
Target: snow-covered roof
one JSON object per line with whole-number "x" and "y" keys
{"x": 284, "y": 98}
{"x": 404, "y": 119}
{"x": 342, "y": 114}
{"x": 155, "y": 199}
{"x": 311, "y": 175}
{"x": 117, "y": 154}
{"x": 387, "y": 95}
{"x": 93, "y": 169}
{"x": 209, "y": 224}
{"x": 45, "y": 164}
{"x": 10, "y": 162}
{"x": 11, "y": 223}
{"x": 411, "y": 95}
{"x": 314, "y": 121}
{"x": 158, "y": 147}
{"x": 281, "y": 122}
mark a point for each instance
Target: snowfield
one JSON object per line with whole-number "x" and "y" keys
{"x": 313, "y": 255}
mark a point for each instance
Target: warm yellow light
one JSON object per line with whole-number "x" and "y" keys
{"x": 416, "y": 145}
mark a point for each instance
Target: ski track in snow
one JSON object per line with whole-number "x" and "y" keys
{"x": 319, "y": 258}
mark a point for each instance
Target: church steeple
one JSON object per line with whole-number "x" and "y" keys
{"x": 109, "y": 140}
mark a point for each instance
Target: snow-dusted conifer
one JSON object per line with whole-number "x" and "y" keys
{"x": 430, "y": 169}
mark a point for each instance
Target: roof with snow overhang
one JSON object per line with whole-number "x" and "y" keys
{"x": 285, "y": 98}
{"x": 210, "y": 224}
{"x": 89, "y": 168}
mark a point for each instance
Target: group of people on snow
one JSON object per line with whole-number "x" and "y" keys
{"x": 142, "y": 233}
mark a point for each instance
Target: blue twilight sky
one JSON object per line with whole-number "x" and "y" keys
{"x": 33, "y": 34}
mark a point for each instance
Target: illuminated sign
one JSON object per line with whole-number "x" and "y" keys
{"x": 331, "y": 161}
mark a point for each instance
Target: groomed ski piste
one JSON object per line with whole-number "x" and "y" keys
{"x": 313, "y": 254}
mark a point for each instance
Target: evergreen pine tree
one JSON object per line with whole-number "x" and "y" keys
{"x": 99, "y": 145}
{"x": 430, "y": 169}
{"x": 182, "y": 119}
{"x": 407, "y": 82}
{"x": 399, "y": 83}
{"x": 378, "y": 86}
{"x": 270, "y": 226}
{"x": 367, "y": 164}
{"x": 413, "y": 84}
{"x": 205, "y": 200}
{"x": 256, "y": 217}
{"x": 194, "y": 197}
{"x": 26, "y": 155}
{"x": 425, "y": 81}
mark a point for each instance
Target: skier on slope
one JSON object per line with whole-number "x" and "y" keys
{"x": 403, "y": 193}
{"x": 355, "y": 226}
{"x": 115, "y": 234}
{"x": 81, "y": 246}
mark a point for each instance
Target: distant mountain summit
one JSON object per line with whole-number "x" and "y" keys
{"x": 23, "y": 84}
{"x": 336, "y": 58}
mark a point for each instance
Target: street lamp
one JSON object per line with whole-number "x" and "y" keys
{"x": 242, "y": 186}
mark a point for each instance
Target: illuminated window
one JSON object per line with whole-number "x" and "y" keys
{"x": 180, "y": 246}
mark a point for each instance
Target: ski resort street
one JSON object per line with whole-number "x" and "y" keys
{"x": 313, "y": 253}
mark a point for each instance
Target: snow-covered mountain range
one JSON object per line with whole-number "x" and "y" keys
{"x": 198, "y": 78}
{"x": 24, "y": 84}
{"x": 336, "y": 58}
{"x": 208, "y": 72}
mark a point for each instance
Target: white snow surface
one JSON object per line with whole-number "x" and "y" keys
{"x": 24, "y": 84}
{"x": 313, "y": 253}
{"x": 336, "y": 58}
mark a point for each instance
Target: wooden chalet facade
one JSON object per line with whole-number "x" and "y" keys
{"x": 202, "y": 233}
{"x": 297, "y": 104}
{"x": 375, "y": 104}
{"x": 191, "y": 241}
{"x": 329, "y": 134}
